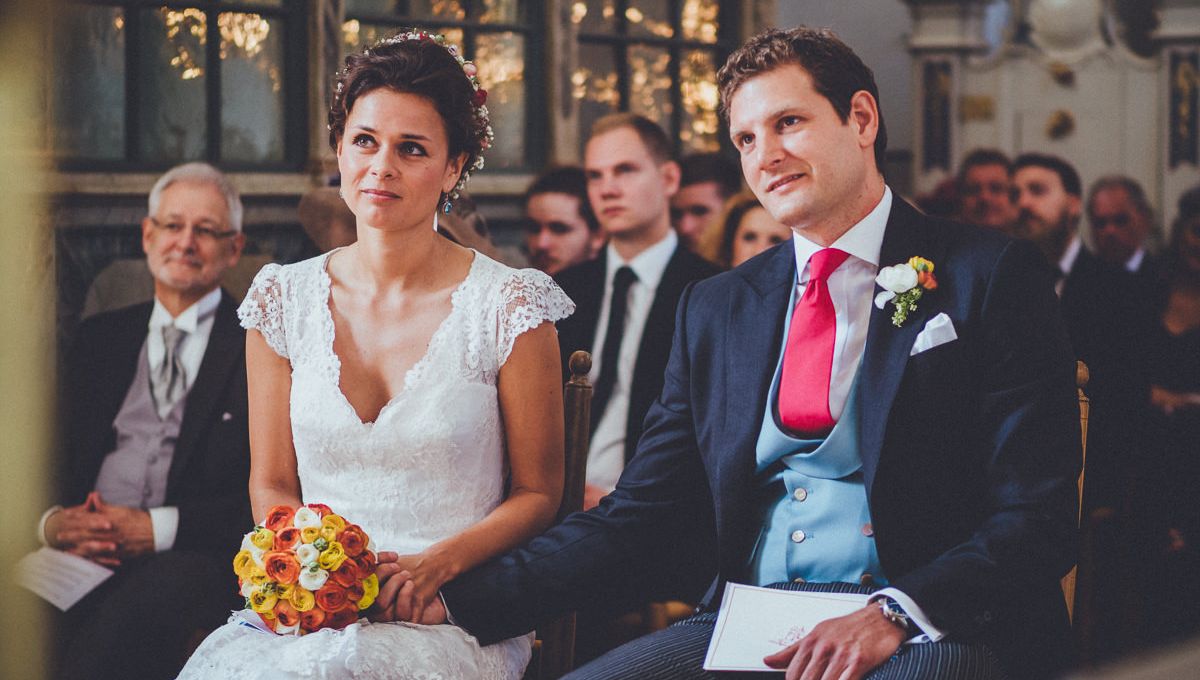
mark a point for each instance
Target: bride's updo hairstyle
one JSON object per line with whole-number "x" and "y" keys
{"x": 423, "y": 64}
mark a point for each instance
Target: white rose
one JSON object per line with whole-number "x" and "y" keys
{"x": 281, "y": 629}
{"x": 307, "y": 517}
{"x": 883, "y": 298}
{"x": 307, "y": 554}
{"x": 246, "y": 544}
{"x": 256, "y": 554}
{"x": 248, "y": 588}
{"x": 897, "y": 278}
{"x": 312, "y": 578}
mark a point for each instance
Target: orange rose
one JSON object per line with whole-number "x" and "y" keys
{"x": 312, "y": 619}
{"x": 366, "y": 563}
{"x": 287, "y": 538}
{"x": 320, "y": 508}
{"x": 281, "y": 566}
{"x": 355, "y": 591}
{"x": 279, "y": 517}
{"x": 353, "y": 540}
{"x": 341, "y": 618}
{"x": 332, "y": 597}
{"x": 286, "y": 614}
{"x": 268, "y": 619}
{"x": 926, "y": 280}
{"x": 346, "y": 575}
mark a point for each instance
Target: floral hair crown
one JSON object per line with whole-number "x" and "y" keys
{"x": 483, "y": 124}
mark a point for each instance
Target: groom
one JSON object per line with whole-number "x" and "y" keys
{"x": 810, "y": 432}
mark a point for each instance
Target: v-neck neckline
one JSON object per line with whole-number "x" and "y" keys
{"x": 413, "y": 371}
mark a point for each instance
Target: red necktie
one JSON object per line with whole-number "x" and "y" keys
{"x": 808, "y": 357}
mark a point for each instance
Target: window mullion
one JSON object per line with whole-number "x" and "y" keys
{"x": 212, "y": 64}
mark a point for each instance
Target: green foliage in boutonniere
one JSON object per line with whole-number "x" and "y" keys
{"x": 903, "y": 285}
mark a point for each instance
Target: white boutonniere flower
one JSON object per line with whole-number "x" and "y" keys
{"x": 903, "y": 285}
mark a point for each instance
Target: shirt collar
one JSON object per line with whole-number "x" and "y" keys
{"x": 190, "y": 318}
{"x": 1070, "y": 255}
{"x": 1135, "y": 261}
{"x": 864, "y": 240}
{"x": 649, "y": 264}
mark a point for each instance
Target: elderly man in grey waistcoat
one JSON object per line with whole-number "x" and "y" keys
{"x": 154, "y": 455}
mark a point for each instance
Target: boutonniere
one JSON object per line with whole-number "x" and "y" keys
{"x": 903, "y": 285}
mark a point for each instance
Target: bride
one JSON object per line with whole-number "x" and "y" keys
{"x": 402, "y": 380}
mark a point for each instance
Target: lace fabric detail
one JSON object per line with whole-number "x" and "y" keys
{"x": 429, "y": 466}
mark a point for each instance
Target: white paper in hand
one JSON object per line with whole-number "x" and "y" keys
{"x": 58, "y": 577}
{"x": 757, "y": 622}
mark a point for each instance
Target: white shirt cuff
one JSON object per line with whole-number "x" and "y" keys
{"x": 41, "y": 525}
{"x": 165, "y": 522}
{"x": 929, "y": 632}
{"x": 449, "y": 619}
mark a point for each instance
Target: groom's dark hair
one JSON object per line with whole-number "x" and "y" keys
{"x": 836, "y": 71}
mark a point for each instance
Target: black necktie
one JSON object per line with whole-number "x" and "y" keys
{"x": 623, "y": 279}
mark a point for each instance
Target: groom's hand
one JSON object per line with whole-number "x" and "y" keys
{"x": 397, "y": 599}
{"x": 845, "y": 648}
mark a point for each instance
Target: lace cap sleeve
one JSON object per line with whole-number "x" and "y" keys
{"x": 262, "y": 310}
{"x": 529, "y": 297}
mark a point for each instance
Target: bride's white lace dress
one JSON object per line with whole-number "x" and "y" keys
{"x": 429, "y": 466}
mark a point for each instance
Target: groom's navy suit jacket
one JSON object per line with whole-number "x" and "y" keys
{"x": 970, "y": 454}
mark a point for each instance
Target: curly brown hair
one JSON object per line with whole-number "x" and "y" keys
{"x": 422, "y": 67}
{"x": 836, "y": 71}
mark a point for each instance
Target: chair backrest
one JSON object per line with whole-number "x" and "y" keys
{"x": 1081, "y": 380}
{"x": 554, "y": 651}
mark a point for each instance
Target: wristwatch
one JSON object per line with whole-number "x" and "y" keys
{"x": 893, "y": 612}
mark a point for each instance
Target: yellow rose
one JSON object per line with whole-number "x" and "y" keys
{"x": 310, "y": 534}
{"x": 920, "y": 264}
{"x": 303, "y": 600}
{"x": 243, "y": 562}
{"x": 284, "y": 590}
{"x": 258, "y": 577}
{"x": 370, "y": 591}
{"x": 332, "y": 557}
{"x": 329, "y": 533}
{"x": 335, "y": 521}
{"x": 262, "y": 601}
{"x": 263, "y": 538}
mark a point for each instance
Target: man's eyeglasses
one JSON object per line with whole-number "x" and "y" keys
{"x": 201, "y": 232}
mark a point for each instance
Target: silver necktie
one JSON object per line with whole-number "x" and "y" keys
{"x": 168, "y": 384}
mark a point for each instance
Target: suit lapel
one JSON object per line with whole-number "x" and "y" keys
{"x": 886, "y": 353}
{"x": 225, "y": 346}
{"x": 756, "y": 315}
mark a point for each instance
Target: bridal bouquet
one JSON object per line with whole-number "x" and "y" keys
{"x": 305, "y": 569}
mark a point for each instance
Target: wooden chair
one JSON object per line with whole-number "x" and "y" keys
{"x": 1081, "y": 380}
{"x": 554, "y": 650}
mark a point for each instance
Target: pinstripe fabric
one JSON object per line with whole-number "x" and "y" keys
{"x": 677, "y": 653}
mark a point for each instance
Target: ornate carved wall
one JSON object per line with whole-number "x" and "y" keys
{"x": 1110, "y": 85}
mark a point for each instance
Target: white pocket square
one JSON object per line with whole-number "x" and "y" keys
{"x": 226, "y": 416}
{"x": 938, "y": 331}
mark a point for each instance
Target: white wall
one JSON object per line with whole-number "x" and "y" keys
{"x": 877, "y": 30}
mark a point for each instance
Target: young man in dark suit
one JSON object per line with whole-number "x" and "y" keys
{"x": 155, "y": 453}
{"x": 810, "y": 429}
{"x": 639, "y": 274}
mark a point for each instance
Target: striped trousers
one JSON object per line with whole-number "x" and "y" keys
{"x": 678, "y": 652}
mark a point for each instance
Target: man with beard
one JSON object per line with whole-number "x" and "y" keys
{"x": 1108, "y": 322}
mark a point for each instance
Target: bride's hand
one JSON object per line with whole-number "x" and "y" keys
{"x": 409, "y": 587}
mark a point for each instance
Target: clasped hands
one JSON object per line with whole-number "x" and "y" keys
{"x": 105, "y": 534}
{"x": 408, "y": 588}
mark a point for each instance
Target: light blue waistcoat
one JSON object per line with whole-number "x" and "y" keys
{"x": 816, "y": 524}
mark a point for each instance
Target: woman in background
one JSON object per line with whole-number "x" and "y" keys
{"x": 743, "y": 231}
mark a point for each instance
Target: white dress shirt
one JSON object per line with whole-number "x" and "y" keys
{"x": 606, "y": 454}
{"x": 1067, "y": 262}
{"x": 197, "y": 322}
{"x": 1135, "y": 260}
{"x": 852, "y": 289}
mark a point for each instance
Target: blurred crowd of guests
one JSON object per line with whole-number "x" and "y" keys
{"x": 623, "y": 234}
